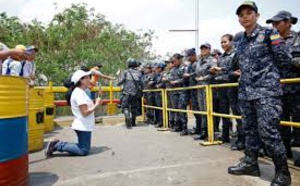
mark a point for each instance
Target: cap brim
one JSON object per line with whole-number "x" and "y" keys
{"x": 294, "y": 20}
{"x": 238, "y": 11}
{"x": 274, "y": 19}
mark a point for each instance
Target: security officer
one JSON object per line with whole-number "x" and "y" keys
{"x": 283, "y": 22}
{"x": 203, "y": 77}
{"x": 166, "y": 84}
{"x": 150, "y": 96}
{"x": 132, "y": 92}
{"x": 228, "y": 72}
{"x": 159, "y": 84}
{"x": 259, "y": 94}
{"x": 191, "y": 74}
{"x": 178, "y": 98}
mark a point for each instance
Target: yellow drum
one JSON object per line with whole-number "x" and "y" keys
{"x": 49, "y": 110}
{"x": 36, "y": 119}
{"x": 13, "y": 131}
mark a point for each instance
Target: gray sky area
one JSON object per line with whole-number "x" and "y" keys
{"x": 217, "y": 17}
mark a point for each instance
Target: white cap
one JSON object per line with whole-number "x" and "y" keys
{"x": 78, "y": 75}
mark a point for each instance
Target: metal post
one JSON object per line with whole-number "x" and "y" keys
{"x": 210, "y": 121}
{"x": 110, "y": 92}
{"x": 197, "y": 26}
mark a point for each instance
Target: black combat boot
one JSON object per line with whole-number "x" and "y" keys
{"x": 128, "y": 123}
{"x": 184, "y": 131}
{"x": 245, "y": 168}
{"x": 133, "y": 122}
{"x": 282, "y": 173}
{"x": 238, "y": 145}
{"x": 281, "y": 179}
{"x": 202, "y": 136}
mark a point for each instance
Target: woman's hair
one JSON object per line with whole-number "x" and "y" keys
{"x": 229, "y": 36}
{"x": 70, "y": 91}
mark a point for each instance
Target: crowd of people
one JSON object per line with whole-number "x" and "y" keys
{"x": 257, "y": 58}
{"x": 18, "y": 61}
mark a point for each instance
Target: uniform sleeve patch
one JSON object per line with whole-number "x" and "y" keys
{"x": 275, "y": 39}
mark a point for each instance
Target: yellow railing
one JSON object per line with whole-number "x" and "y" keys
{"x": 209, "y": 107}
{"x": 162, "y": 108}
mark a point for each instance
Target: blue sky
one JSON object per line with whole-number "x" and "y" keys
{"x": 217, "y": 17}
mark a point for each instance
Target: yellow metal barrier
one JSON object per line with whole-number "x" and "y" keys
{"x": 163, "y": 108}
{"x": 208, "y": 112}
{"x": 230, "y": 85}
{"x": 61, "y": 89}
{"x": 111, "y": 107}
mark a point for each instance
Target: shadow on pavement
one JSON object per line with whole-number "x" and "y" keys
{"x": 42, "y": 179}
{"x": 97, "y": 150}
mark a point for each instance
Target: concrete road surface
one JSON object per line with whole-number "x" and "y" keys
{"x": 143, "y": 157}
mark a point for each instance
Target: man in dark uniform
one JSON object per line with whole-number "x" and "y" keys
{"x": 259, "y": 94}
{"x": 132, "y": 92}
{"x": 150, "y": 96}
{"x": 166, "y": 84}
{"x": 191, "y": 74}
{"x": 159, "y": 84}
{"x": 283, "y": 22}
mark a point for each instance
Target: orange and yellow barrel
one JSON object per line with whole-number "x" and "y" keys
{"x": 13, "y": 131}
{"x": 36, "y": 119}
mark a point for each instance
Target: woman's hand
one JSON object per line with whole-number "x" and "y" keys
{"x": 98, "y": 101}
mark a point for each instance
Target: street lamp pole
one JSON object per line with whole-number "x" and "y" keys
{"x": 197, "y": 26}
{"x": 196, "y": 30}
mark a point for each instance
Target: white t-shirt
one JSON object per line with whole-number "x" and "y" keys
{"x": 14, "y": 66}
{"x": 81, "y": 123}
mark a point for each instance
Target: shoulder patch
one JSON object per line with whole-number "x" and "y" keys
{"x": 260, "y": 38}
{"x": 275, "y": 38}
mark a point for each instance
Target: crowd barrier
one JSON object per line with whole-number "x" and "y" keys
{"x": 210, "y": 114}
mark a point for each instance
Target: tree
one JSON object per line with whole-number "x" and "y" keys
{"x": 76, "y": 37}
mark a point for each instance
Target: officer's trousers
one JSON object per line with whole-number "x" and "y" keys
{"x": 261, "y": 119}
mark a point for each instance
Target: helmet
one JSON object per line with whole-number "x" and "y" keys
{"x": 132, "y": 63}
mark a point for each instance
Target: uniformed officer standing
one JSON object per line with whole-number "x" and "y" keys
{"x": 283, "y": 22}
{"x": 259, "y": 94}
{"x": 178, "y": 98}
{"x": 203, "y": 77}
{"x": 159, "y": 84}
{"x": 166, "y": 83}
{"x": 150, "y": 96}
{"x": 133, "y": 86}
{"x": 191, "y": 74}
{"x": 228, "y": 72}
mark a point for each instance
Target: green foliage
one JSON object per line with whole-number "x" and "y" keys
{"x": 76, "y": 37}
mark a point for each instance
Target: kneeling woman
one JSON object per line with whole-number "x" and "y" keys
{"x": 83, "y": 109}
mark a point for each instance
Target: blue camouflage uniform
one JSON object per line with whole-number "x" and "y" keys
{"x": 131, "y": 94}
{"x": 260, "y": 91}
{"x": 150, "y": 96}
{"x": 193, "y": 96}
{"x": 202, "y": 70}
{"x": 178, "y": 99}
{"x": 291, "y": 97}
{"x": 159, "y": 84}
{"x": 228, "y": 62}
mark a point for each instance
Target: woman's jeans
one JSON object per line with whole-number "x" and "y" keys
{"x": 82, "y": 148}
